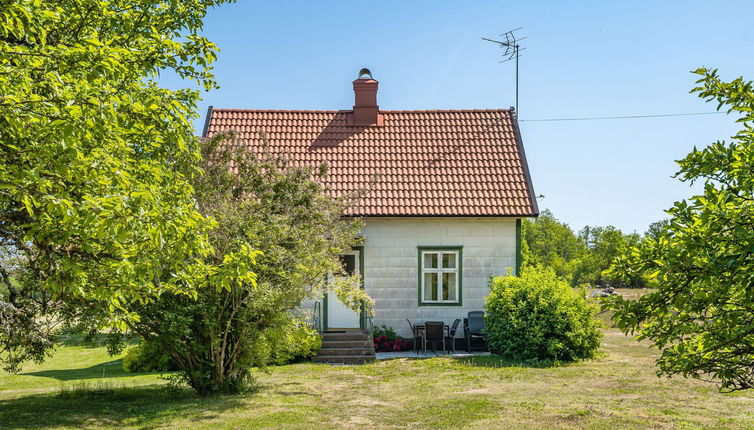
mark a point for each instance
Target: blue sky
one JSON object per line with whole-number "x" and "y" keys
{"x": 582, "y": 59}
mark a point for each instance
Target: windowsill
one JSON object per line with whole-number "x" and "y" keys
{"x": 440, "y": 304}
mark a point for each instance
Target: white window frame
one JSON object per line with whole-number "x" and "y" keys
{"x": 440, "y": 270}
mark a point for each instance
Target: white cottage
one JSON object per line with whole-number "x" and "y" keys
{"x": 444, "y": 215}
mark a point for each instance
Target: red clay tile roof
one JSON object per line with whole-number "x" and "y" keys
{"x": 429, "y": 163}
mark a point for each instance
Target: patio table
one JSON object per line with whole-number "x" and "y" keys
{"x": 421, "y": 326}
{"x": 419, "y": 330}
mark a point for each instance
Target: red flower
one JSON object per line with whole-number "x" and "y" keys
{"x": 396, "y": 347}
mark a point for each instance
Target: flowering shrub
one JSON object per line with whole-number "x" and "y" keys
{"x": 383, "y": 344}
{"x": 386, "y": 340}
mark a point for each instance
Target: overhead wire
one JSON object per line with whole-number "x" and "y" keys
{"x": 592, "y": 118}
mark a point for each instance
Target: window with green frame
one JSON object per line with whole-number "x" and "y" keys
{"x": 440, "y": 276}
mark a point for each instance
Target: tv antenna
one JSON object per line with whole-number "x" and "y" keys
{"x": 511, "y": 50}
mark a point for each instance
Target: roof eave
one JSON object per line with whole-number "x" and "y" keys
{"x": 531, "y": 215}
{"x": 524, "y": 164}
{"x": 206, "y": 122}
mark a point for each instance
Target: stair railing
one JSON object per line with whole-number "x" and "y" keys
{"x": 369, "y": 326}
{"x": 318, "y": 316}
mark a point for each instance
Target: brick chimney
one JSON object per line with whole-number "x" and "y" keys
{"x": 365, "y": 109}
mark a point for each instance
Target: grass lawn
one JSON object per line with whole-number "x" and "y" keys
{"x": 628, "y": 294}
{"x": 619, "y": 390}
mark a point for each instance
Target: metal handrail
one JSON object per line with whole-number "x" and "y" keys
{"x": 369, "y": 325}
{"x": 317, "y": 316}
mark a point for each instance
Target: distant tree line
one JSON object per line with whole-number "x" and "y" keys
{"x": 582, "y": 257}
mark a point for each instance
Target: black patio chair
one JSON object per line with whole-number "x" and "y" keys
{"x": 473, "y": 327}
{"x": 434, "y": 331}
{"x": 416, "y": 335}
{"x": 452, "y": 334}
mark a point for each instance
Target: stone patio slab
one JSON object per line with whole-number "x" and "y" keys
{"x": 429, "y": 354}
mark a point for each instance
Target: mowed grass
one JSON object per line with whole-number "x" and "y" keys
{"x": 617, "y": 391}
{"x": 628, "y": 294}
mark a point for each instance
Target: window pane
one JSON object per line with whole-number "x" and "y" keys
{"x": 449, "y": 261}
{"x": 349, "y": 263}
{"x": 430, "y": 286}
{"x": 430, "y": 260}
{"x": 449, "y": 286}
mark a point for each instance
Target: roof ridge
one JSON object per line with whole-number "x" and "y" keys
{"x": 278, "y": 110}
{"x": 443, "y": 110}
{"x": 214, "y": 109}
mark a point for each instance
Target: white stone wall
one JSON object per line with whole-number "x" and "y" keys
{"x": 391, "y": 264}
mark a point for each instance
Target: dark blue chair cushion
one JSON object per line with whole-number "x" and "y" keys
{"x": 476, "y": 322}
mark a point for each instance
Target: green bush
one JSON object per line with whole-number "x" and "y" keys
{"x": 386, "y": 331}
{"x": 537, "y": 316}
{"x": 293, "y": 341}
{"x": 147, "y": 357}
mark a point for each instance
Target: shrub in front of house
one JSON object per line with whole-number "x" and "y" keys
{"x": 386, "y": 340}
{"x": 147, "y": 357}
{"x": 293, "y": 341}
{"x": 538, "y": 317}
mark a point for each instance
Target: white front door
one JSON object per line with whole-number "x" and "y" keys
{"x": 338, "y": 315}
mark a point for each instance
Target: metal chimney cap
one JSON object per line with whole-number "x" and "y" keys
{"x": 365, "y": 73}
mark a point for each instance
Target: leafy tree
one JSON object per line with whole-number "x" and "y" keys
{"x": 579, "y": 259}
{"x": 607, "y": 242}
{"x": 702, "y": 261}
{"x": 583, "y": 258}
{"x": 552, "y": 244}
{"x": 257, "y": 199}
{"x": 657, "y": 229}
{"x": 95, "y": 198}
{"x": 604, "y": 245}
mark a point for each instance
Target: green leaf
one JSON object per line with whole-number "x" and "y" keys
{"x": 27, "y": 203}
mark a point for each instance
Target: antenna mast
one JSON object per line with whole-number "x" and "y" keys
{"x": 511, "y": 50}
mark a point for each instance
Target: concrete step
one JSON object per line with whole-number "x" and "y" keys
{"x": 344, "y": 359}
{"x": 346, "y": 351}
{"x": 346, "y": 347}
{"x": 347, "y": 344}
{"x": 356, "y": 336}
